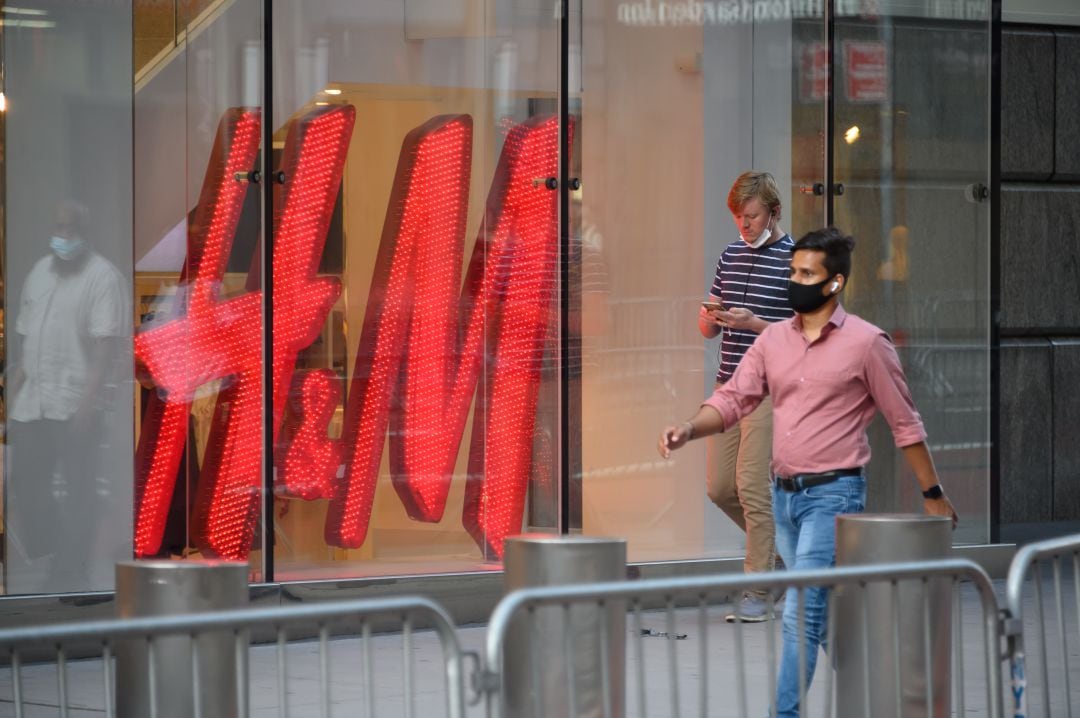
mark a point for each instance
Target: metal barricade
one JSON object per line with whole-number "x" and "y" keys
{"x": 169, "y": 588}
{"x": 367, "y": 694}
{"x": 678, "y": 669}
{"x": 918, "y": 610}
{"x": 535, "y": 660}
{"x": 1025, "y": 618}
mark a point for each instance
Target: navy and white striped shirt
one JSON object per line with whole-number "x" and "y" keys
{"x": 755, "y": 279}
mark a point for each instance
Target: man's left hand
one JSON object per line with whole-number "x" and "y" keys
{"x": 741, "y": 318}
{"x": 941, "y": 507}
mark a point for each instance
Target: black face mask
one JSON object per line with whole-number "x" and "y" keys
{"x": 805, "y": 298}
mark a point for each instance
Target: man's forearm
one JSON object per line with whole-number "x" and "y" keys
{"x": 705, "y": 422}
{"x": 922, "y": 464}
{"x": 918, "y": 457}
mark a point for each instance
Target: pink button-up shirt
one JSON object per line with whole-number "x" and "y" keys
{"x": 824, "y": 393}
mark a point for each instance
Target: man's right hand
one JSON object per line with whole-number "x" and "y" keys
{"x": 674, "y": 437}
{"x": 710, "y": 316}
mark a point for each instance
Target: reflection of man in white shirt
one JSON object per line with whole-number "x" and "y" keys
{"x": 71, "y": 316}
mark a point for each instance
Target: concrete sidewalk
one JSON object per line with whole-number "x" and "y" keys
{"x": 349, "y": 691}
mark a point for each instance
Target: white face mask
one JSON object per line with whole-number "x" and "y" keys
{"x": 760, "y": 241}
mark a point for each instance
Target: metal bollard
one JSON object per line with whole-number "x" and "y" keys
{"x": 898, "y": 635}
{"x": 161, "y": 588}
{"x": 565, "y": 661}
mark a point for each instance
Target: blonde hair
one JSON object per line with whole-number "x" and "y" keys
{"x": 754, "y": 185}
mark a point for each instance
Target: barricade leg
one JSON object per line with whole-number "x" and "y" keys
{"x": 566, "y": 660}
{"x": 178, "y": 675}
{"x": 904, "y": 643}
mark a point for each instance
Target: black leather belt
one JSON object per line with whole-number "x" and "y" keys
{"x": 799, "y": 482}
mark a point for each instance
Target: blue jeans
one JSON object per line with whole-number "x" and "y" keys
{"x": 806, "y": 539}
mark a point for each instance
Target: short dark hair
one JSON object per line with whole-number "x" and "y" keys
{"x": 836, "y": 245}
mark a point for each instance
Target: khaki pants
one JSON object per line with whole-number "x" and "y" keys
{"x": 738, "y": 482}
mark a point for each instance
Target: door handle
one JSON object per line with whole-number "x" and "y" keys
{"x": 817, "y": 189}
{"x": 977, "y": 192}
{"x": 838, "y": 189}
{"x": 553, "y": 182}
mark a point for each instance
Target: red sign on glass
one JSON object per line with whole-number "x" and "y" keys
{"x": 418, "y": 368}
{"x": 814, "y": 72}
{"x": 215, "y": 338}
{"x": 865, "y": 71}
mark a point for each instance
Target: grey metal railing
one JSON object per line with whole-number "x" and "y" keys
{"x": 702, "y": 595}
{"x": 1026, "y": 626}
{"x": 1041, "y": 626}
{"x": 353, "y": 618}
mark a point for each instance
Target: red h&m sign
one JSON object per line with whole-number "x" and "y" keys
{"x": 416, "y": 372}
{"x": 866, "y": 71}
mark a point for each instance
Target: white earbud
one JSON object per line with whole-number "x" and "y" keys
{"x": 835, "y": 286}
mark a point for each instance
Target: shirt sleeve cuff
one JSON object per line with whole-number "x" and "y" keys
{"x": 909, "y": 437}
{"x": 717, "y": 404}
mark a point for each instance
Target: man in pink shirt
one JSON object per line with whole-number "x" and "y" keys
{"x": 828, "y": 372}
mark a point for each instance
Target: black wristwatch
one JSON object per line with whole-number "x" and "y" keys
{"x": 934, "y": 492}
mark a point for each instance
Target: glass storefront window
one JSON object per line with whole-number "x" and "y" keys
{"x": 199, "y": 292}
{"x": 911, "y": 150}
{"x": 677, "y": 101}
{"x": 67, "y": 211}
{"x": 674, "y": 111}
{"x": 366, "y": 328}
{"x": 436, "y": 366}
{"x": 415, "y": 322}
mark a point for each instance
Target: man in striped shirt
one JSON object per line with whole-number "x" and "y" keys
{"x": 751, "y": 285}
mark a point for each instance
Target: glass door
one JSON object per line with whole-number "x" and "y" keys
{"x": 416, "y": 283}
{"x": 675, "y": 103}
{"x": 811, "y": 144}
{"x": 871, "y": 116}
{"x": 200, "y": 299}
{"x": 910, "y": 139}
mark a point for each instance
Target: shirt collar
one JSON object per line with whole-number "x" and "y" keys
{"x": 838, "y": 316}
{"x": 837, "y": 319}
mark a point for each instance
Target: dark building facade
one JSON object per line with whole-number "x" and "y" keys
{"x": 1039, "y": 278}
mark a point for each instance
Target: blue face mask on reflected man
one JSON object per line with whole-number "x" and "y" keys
{"x": 66, "y": 248}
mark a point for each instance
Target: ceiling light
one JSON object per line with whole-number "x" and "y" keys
{"x": 25, "y": 11}
{"x": 15, "y": 22}
{"x": 852, "y": 134}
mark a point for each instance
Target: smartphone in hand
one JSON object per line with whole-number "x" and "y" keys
{"x": 713, "y": 307}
